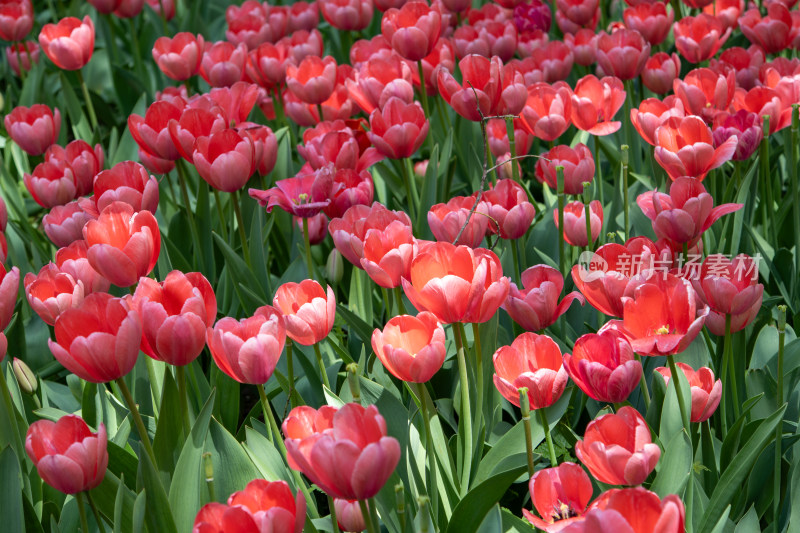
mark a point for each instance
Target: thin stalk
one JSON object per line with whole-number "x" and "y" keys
{"x": 776, "y": 491}
{"x": 524, "y": 405}
{"x": 332, "y": 507}
{"x": 766, "y": 203}
{"x": 465, "y": 417}
{"x": 398, "y": 296}
{"x": 561, "y": 202}
{"x": 625, "y": 187}
{"x": 515, "y": 258}
{"x": 411, "y": 187}
{"x": 223, "y": 222}
{"x": 550, "y": 448}
{"x": 400, "y": 505}
{"x": 237, "y": 208}
{"x": 95, "y": 512}
{"x": 588, "y": 214}
{"x": 307, "y": 240}
{"x": 424, "y": 96}
{"x": 290, "y": 371}
{"x": 82, "y": 513}
{"x": 208, "y": 471}
{"x": 476, "y": 334}
{"x": 492, "y": 172}
{"x": 22, "y": 71}
{"x": 512, "y": 148}
{"x": 321, "y": 364}
{"x": 280, "y": 115}
{"x": 731, "y": 365}
{"x": 137, "y": 59}
{"x": 430, "y": 452}
{"x": 367, "y": 517}
{"x": 180, "y": 372}
{"x": 794, "y": 138}
{"x": 643, "y": 382}
{"x": 112, "y": 40}
{"x": 599, "y": 169}
{"x": 144, "y": 438}
{"x": 373, "y": 514}
{"x": 179, "y": 165}
{"x": 319, "y": 112}
{"x": 387, "y": 309}
{"x": 679, "y": 391}
{"x": 88, "y": 100}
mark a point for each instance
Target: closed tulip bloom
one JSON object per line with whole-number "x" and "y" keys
{"x": 252, "y": 24}
{"x": 388, "y": 254}
{"x": 764, "y": 101}
{"x": 51, "y": 292}
{"x": 622, "y": 54}
{"x": 248, "y": 350}
{"x": 684, "y": 147}
{"x": 699, "y": 38}
{"x": 534, "y": 15}
{"x": 351, "y": 460}
{"x": 706, "y": 93}
{"x": 70, "y": 43}
{"x": 313, "y": 79}
{"x": 411, "y": 347}
{"x": 127, "y": 182}
{"x": 66, "y": 454}
{"x": 308, "y": 310}
{"x": 83, "y": 160}
{"x": 560, "y": 495}
{"x": 16, "y": 19}
{"x": 304, "y": 195}
{"x": 486, "y": 38}
{"x": 412, "y": 30}
{"x": 351, "y": 230}
{"x": 223, "y": 63}
{"x": 536, "y": 306}
{"x": 660, "y": 314}
{"x": 582, "y": 46}
{"x": 35, "y": 128}
{"x": 567, "y": 26}
{"x": 603, "y": 366}
{"x": 22, "y": 56}
{"x": 481, "y": 77}
{"x": 493, "y": 292}
{"x": 727, "y": 11}
{"x": 595, "y": 102}
{"x": 399, "y": 129}
{"x": 510, "y": 211}
{"x": 497, "y": 134}
{"x": 575, "y": 222}
{"x": 773, "y": 32}
{"x": 262, "y": 506}
{"x": 225, "y": 160}
{"x": 179, "y": 56}
{"x": 266, "y": 65}
{"x": 72, "y": 259}
{"x": 347, "y": 15}
{"x": 175, "y": 315}
{"x": 728, "y": 287}
{"x": 348, "y": 515}
{"x": 64, "y": 224}
{"x": 192, "y": 124}
{"x": 446, "y": 221}
{"x": 532, "y": 361}
{"x": 548, "y": 110}
{"x": 303, "y": 16}
{"x": 744, "y": 126}
{"x": 578, "y": 166}
{"x": 151, "y": 132}
{"x": 579, "y": 12}
{"x": 338, "y": 144}
{"x": 350, "y": 188}
{"x": 652, "y": 113}
{"x": 129, "y": 8}
{"x": 652, "y": 21}
{"x": 661, "y": 71}
{"x": 98, "y": 341}
{"x": 123, "y": 245}
{"x": 617, "y": 448}
{"x": 51, "y": 184}
{"x": 706, "y": 393}
{"x": 9, "y": 289}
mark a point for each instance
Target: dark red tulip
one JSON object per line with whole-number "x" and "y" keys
{"x": 743, "y": 125}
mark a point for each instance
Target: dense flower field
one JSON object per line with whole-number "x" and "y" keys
{"x": 377, "y": 265}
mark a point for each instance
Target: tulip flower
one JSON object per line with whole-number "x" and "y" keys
{"x": 495, "y": 289}
{"x": 582, "y": 46}
{"x": 349, "y": 188}
{"x": 225, "y": 160}
{"x": 266, "y": 65}
{"x": 532, "y": 16}
{"x": 532, "y": 361}
{"x": 313, "y": 79}
{"x": 70, "y": 43}
{"x": 179, "y": 56}
{"x": 497, "y": 134}
{"x": 223, "y": 63}
{"x": 486, "y": 38}
{"x": 705, "y": 93}
{"x": 728, "y": 286}
{"x": 347, "y": 15}
{"x": 660, "y": 314}
{"x": 536, "y": 306}
{"x": 151, "y": 132}
{"x": 351, "y": 230}
{"x": 387, "y": 254}
{"x": 617, "y": 449}
{"x": 304, "y": 195}
{"x": 353, "y": 460}
{"x": 548, "y": 110}
{"x": 575, "y": 222}
{"x": 560, "y": 495}
{"x": 652, "y": 113}
{"x": 303, "y": 16}
{"x": 567, "y": 26}
{"x": 338, "y": 143}
{"x": 348, "y": 515}
{"x": 22, "y": 56}
{"x": 35, "y": 128}
{"x": 595, "y": 102}
{"x": 252, "y": 24}
{"x": 398, "y": 129}
{"x": 603, "y": 366}
{"x": 16, "y": 19}
{"x": 706, "y": 393}
{"x": 83, "y": 161}
{"x": 622, "y": 54}
{"x": 744, "y": 126}
{"x": 64, "y": 223}
{"x": 66, "y": 454}
{"x": 773, "y": 32}
{"x": 746, "y": 64}
{"x": 72, "y": 259}
{"x": 9, "y": 288}
{"x": 262, "y": 504}
{"x": 509, "y": 209}
{"x": 443, "y": 55}
{"x": 651, "y": 20}
{"x": 51, "y": 292}
{"x": 412, "y": 30}
{"x": 579, "y": 12}
{"x": 126, "y": 182}
{"x": 123, "y": 245}
{"x": 684, "y": 147}
{"x": 726, "y": 11}
{"x": 411, "y": 347}
{"x": 98, "y": 341}
{"x": 632, "y": 509}
{"x": 481, "y": 77}
{"x": 308, "y": 310}
{"x": 578, "y": 165}
{"x": 661, "y": 71}
{"x": 699, "y": 38}
{"x": 549, "y": 63}
{"x": 446, "y": 221}
{"x": 51, "y": 184}
{"x": 765, "y": 101}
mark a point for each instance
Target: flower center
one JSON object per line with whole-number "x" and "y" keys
{"x": 663, "y": 330}
{"x": 302, "y": 198}
{"x": 562, "y": 511}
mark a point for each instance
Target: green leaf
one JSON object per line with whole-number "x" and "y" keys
{"x": 11, "y": 498}
{"x": 471, "y": 511}
{"x": 749, "y": 522}
{"x": 239, "y": 271}
{"x": 428, "y": 196}
{"x": 674, "y": 466}
{"x": 167, "y": 440}
{"x": 493, "y": 523}
{"x": 513, "y": 523}
{"x": 233, "y": 469}
{"x": 159, "y": 518}
{"x": 722, "y": 522}
{"x": 360, "y": 328}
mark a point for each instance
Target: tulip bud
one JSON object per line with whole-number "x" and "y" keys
{"x": 334, "y": 267}
{"x": 25, "y": 376}
{"x": 781, "y": 320}
{"x": 352, "y": 381}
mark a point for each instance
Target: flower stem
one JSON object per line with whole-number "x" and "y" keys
{"x": 645, "y": 390}
{"x": 411, "y": 188}
{"x": 332, "y": 507}
{"x": 731, "y": 365}
{"x": 599, "y": 169}
{"x": 82, "y": 513}
{"x": 290, "y": 372}
{"x": 625, "y": 156}
{"x": 367, "y": 517}
{"x": 794, "y": 138}
{"x": 476, "y": 334}
{"x": 95, "y": 512}
{"x": 588, "y": 214}
{"x": 223, "y": 223}
{"x": 465, "y": 417}
{"x": 525, "y": 406}
{"x": 398, "y": 295}
{"x": 764, "y": 181}
{"x": 88, "y": 99}
{"x": 673, "y": 369}
{"x": 144, "y": 438}
{"x": 307, "y": 240}
{"x": 561, "y": 200}
{"x": 549, "y": 438}
{"x": 237, "y": 208}
{"x": 431, "y": 485}
{"x": 321, "y": 364}
{"x": 776, "y": 491}
{"x": 515, "y": 258}
{"x": 424, "y": 93}
{"x": 373, "y": 513}
{"x": 180, "y": 372}
{"x": 512, "y": 148}
{"x": 179, "y": 165}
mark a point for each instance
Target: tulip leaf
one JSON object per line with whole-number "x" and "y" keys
{"x": 233, "y": 468}
{"x": 159, "y": 517}
{"x": 493, "y": 523}
{"x": 722, "y": 522}
{"x": 202, "y": 220}
{"x": 731, "y": 481}
{"x": 515, "y": 524}
{"x": 139, "y": 508}
{"x": 674, "y": 466}
{"x": 80, "y": 124}
{"x": 114, "y": 498}
{"x": 749, "y": 522}
{"x": 360, "y": 328}
{"x": 240, "y": 273}
{"x": 428, "y": 195}
{"x": 473, "y": 508}
{"x": 119, "y": 503}
{"x": 167, "y": 440}
{"x": 671, "y": 420}
{"x": 11, "y": 499}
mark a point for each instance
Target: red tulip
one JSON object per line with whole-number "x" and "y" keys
{"x": 22, "y": 56}
{"x": 16, "y": 19}
{"x": 577, "y": 162}
{"x": 398, "y": 129}
{"x": 579, "y": 12}
{"x": 33, "y": 128}
{"x": 567, "y": 26}
{"x": 70, "y": 43}
{"x": 494, "y": 291}
{"x": 83, "y": 162}
{"x": 603, "y": 366}
{"x": 51, "y": 292}
{"x": 661, "y": 71}
{"x": 99, "y": 340}
{"x": 773, "y": 32}
{"x": 126, "y": 182}
{"x": 179, "y": 57}
{"x": 123, "y": 245}
{"x": 347, "y": 15}
{"x": 9, "y": 289}
{"x": 235, "y": 101}
{"x": 744, "y": 126}
{"x": 528, "y": 41}
{"x": 536, "y": 306}
{"x": 350, "y": 188}
{"x": 443, "y": 55}
{"x": 622, "y": 54}
{"x": 660, "y": 314}
{"x": 308, "y": 310}
{"x": 560, "y": 495}
{"x": 151, "y": 132}
{"x": 72, "y": 260}
{"x": 412, "y": 30}
{"x": 446, "y": 221}
{"x": 534, "y": 15}
{"x": 64, "y": 223}
{"x": 411, "y": 347}
{"x": 303, "y": 16}
{"x": 487, "y": 39}
{"x": 175, "y": 314}
{"x": 548, "y": 110}
{"x": 706, "y": 393}
{"x": 252, "y": 24}
{"x": 193, "y": 124}
{"x": 225, "y": 159}
{"x": 317, "y": 227}
{"x": 595, "y": 102}
{"x": 303, "y": 43}
{"x": 745, "y": 63}
{"x": 652, "y": 21}
{"x": 351, "y": 460}
{"x": 338, "y": 143}
{"x": 726, "y": 11}
{"x": 262, "y": 504}
{"x": 365, "y": 49}
{"x": 155, "y": 164}
{"x": 304, "y": 195}
{"x": 699, "y": 38}
{"x": 223, "y": 63}
{"x": 348, "y": 515}
{"x": 652, "y": 113}
{"x": 387, "y": 254}
{"x": 548, "y": 63}
{"x": 764, "y": 101}
{"x": 532, "y": 361}
{"x": 313, "y": 80}
{"x": 728, "y": 287}
{"x": 492, "y": 12}
{"x": 575, "y": 222}
{"x": 248, "y": 350}
{"x": 51, "y": 184}
{"x": 684, "y": 147}
{"x": 66, "y": 454}
{"x": 582, "y": 45}
{"x": 163, "y": 8}
{"x": 617, "y": 448}
{"x": 129, "y": 8}
{"x": 266, "y": 65}
{"x": 509, "y": 209}
{"x": 354, "y": 227}
{"x": 705, "y": 93}
{"x": 497, "y": 133}
{"x": 481, "y": 77}
{"x": 634, "y": 510}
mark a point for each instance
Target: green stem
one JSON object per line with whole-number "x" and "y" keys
{"x": 223, "y": 223}
{"x": 290, "y": 371}
{"x": 794, "y": 138}
{"x": 430, "y": 452}
{"x": 588, "y": 214}
{"x": 367, "y": 517}
{"x": 625, "y": 187}
{"x": 776, "y": 491}
{"x": 424, "y": 97}
{"x": 398, "y": 296}
{"x": 489, "y": 160}
{"x": 476, "y": 334}
{"x": 237, "y": 208}
{"x": 411, "y": 187}
{"x": 280, "y": 115}
{"x": 512, "y": 148}
{"x": 137, "y": 59}
{"x": 643, "y": 382}
{"x": 766, "y": 203}
{"x": 679, "y": 391}
{"x": 598, "y": 169}
{"x": 525, "y": 406}
{"x": 112, "y": 40}
{"x": 82, "y": 513}
{"x": 515, "y": 258}
{"x": 731, "y": 366}
{"x": 88, "y": 99}
{"x": 321, "y": 364}
{"x": 561, "y": 201}
{"x": 332, "y": 507}
{"x": 549, "y": 438}
{"x": 22, "y": 71}
{"x": 307, "y": 240}
{"x": 144, "y": 438}
{"x": 95, "y": 512}
{"x": 465, "y": 417}
{"x": 180, "y": 372}
{"x": 373, "y": 514}
{"x": 182, "y": 179}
